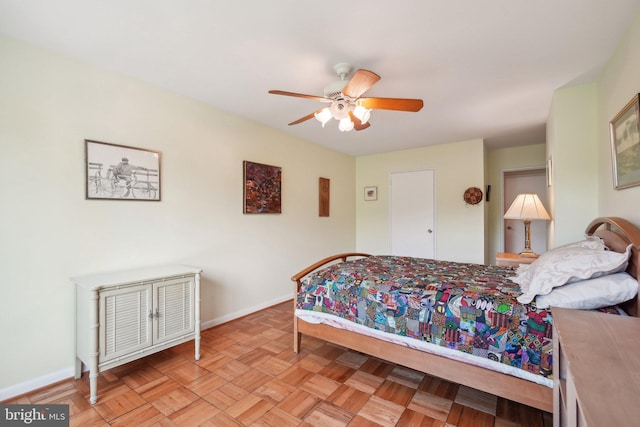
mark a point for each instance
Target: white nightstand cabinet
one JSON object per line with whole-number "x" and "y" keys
{"x": 126, "y": 315}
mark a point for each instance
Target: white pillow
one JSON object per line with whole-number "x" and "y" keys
{"x": 589, "y": 294}
{"x": 576, "y": 261}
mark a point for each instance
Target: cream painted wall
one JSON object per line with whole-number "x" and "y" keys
{"x": 574, "y": 153}
{"x": 579, "y": 142}
{"x": 499, "y": 161}
{"x": 619, "y": 82}
{"x": 48, "y": 232}
{"x": 459, "y": 227}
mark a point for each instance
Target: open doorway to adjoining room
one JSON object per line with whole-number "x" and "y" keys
{"x": 516, "y": 182}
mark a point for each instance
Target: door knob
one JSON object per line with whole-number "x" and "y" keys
{"x": 429, "y": 231}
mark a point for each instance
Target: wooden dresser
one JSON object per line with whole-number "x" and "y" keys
{"x": 596, "y": 369}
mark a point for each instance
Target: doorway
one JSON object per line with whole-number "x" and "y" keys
{"x": 518, "y": 182}
{"x": 412, "y": 213}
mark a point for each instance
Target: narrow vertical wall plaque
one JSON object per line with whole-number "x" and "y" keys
{"x": 325, "y": 191}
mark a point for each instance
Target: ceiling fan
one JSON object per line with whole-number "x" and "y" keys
{"x": 346, "y": 102}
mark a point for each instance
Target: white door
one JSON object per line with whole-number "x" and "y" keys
{"x": 517, "y": 183}
{"x": 412, "y": 214}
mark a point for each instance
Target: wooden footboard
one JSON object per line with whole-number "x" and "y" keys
{"x": 297, "y": 278}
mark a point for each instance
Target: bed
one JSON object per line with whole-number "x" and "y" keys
{"x": 378, "y": 311}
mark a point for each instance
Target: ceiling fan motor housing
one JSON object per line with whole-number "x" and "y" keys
{"x": 334, "y": 90}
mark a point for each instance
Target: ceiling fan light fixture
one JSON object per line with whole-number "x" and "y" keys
{"x": 347, "y": 106}
{"x": 345, "y": 124}
{"x": 323, "y": 116}
{"x": 363, "y": 114}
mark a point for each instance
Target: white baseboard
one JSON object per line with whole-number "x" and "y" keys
{"x": 228, "y": 317}
{"x": 36, "y": 383}
{"x": 53, "y": 377}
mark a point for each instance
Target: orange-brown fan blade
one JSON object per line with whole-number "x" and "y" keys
{"x": 305, "y": 118}
{"x": 361, "y": 81}
{"x": 357, "y": 124}
{"x": 399, "y": 104}
{"x": 299, "y": 95}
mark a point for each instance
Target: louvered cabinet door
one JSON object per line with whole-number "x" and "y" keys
{"x": 173, "y": 309}
{"x": 126, "y": 321}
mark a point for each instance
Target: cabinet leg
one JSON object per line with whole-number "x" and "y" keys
{"x": 93, "y": 387}
{"x": 78, "y": 369}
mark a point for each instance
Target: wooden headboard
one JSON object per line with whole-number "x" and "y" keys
{"x": 617, "y": 234}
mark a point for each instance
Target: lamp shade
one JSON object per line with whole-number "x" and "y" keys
{"x": 527, "y": 206}
{"x": 345, "y": 124}
{"x": 323, "y": 116}
{"x": 362, "y": 114}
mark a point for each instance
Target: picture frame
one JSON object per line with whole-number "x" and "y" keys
{"x": 370, "y": 193}
{"x": 120, "y": 172}
{"x": 262, "y": 188}
{"x": 625, "y": 145}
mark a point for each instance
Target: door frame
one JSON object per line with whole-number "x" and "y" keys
{"x": 514, "y": 171}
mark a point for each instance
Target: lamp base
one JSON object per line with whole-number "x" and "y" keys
{"x": 528, "y": 253}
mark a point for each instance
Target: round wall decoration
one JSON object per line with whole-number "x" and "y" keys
{"x": 473, "y": 195}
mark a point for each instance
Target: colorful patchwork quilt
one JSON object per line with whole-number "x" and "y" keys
{"x": 467, "y": 307}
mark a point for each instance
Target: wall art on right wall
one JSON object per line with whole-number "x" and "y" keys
{"x": 625, "y": 145}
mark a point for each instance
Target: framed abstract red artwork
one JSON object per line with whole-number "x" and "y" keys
{"x": 262, "y": 188}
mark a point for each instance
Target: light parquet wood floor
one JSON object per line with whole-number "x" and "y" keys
{"x": 248, "y": 375}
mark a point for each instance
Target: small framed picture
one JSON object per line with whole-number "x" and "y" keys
{"x": 118, "y": 172}
{"x": 370, "y": 193}
{"x": 625, "y": 145}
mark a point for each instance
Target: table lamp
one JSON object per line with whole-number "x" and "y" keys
{"x": 527, "y": 207}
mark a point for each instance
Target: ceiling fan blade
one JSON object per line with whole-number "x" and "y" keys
{"x": 299, "y": 95}
{"x": 305, "y": 118}
{"x": 357, "y": 124}
{"x": 399, "y": 104}
{"x": 361, "y": 81}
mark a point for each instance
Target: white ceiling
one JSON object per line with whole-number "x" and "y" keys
{"x": 485, "y": 69}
